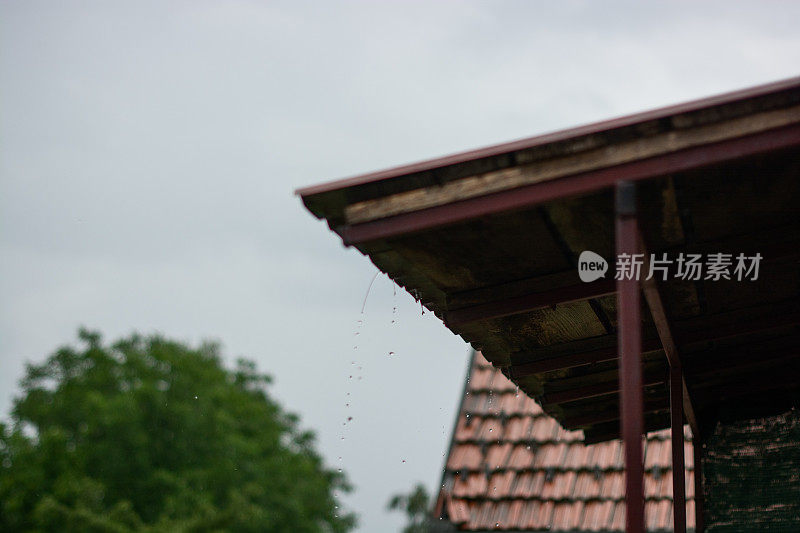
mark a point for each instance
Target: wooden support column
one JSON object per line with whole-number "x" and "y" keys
{"x": 678, "y": 463}
{"x": 630, "y": 351}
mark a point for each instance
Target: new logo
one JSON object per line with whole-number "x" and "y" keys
{"x": 591, "y": 266}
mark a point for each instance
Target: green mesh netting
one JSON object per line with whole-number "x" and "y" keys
{"x": 752, "y": 475}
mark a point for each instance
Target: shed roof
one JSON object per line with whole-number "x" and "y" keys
{"x": 511, "y": 467}
{"x": 488, "y": 240}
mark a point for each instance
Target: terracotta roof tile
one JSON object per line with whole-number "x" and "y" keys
{"x": 566, "y": 516}
{"x": 497, "y": 454}
{"x": 491, "y": 430}
{"x": 587, "y": 486}
{"x": 458, "y": 511}
{"x": 612, "y": 484}
{"x": 550, "y": 455}
{"x": 500, "y": 484}
{"x": 597, "y": 516}
{"x": 465, "y": 456}
{"x": 518, "y": 428}
{"x": 469, "y": 485}
{"x": 541, "y": 515}
{"x": 521, "y": 457}
{"x": 511, "y": 467}
{"x": 618, "y": 520}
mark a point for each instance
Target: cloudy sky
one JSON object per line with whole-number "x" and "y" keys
{"x": 149, "y": 153}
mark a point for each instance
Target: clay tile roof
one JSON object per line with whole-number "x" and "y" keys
{"x": 513, "y": 468}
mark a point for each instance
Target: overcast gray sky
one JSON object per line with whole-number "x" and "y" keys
{"x": 148, "y": 154}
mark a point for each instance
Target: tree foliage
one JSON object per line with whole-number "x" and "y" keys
{"x": 148, "y": 434}
{"x": 415, "y": 504}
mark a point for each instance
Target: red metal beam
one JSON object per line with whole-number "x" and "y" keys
{"x": 678, "y": 463}
{"x": 659, "y": 314}
{"x": 529, "y": 302}
{"x": 574, "y": 185}
{"x": 630, "y": 350}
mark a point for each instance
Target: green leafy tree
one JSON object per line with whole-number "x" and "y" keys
{"x": 148, "y": 434}
{"x": 415, "y": 504}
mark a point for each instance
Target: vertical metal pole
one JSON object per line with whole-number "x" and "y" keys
{"x": 630, "y": 351}
{"x": 678, "y": 466}
{"x": 699, "y": 497}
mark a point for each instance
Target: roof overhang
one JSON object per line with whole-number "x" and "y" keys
{"x": 488, "y": 240}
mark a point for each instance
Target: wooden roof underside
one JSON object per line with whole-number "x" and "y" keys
{"x": 484, "y": 240}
